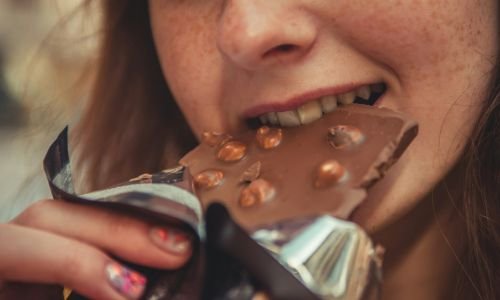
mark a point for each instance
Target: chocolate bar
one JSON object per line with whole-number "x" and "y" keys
{"x": 276, "y": 174}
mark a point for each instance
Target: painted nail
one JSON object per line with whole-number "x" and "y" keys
{"x": 260, "y": 296}
{"x": 171, "y": 240}
{"x": 127, "y": 282}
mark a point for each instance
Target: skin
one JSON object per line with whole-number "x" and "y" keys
{"x": 54, "y": 242}
{"x": 225, "y": 60}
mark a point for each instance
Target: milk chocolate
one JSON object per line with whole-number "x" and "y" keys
{"x": 322, "y": 168}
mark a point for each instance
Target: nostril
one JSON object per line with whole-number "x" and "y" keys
{"x": 281, "y": 49}
{"x": 285, "y": 48}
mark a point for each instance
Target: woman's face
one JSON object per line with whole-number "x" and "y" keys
{"x": 229, "y": 60}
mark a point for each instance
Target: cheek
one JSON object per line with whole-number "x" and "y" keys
{"x": 418, "y": 40}
{"x": 439, "y": 51}
{"x": 184, "y": 36}
{"x": 182, "y": 43}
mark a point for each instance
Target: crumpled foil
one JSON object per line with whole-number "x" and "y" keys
{"x": 333, "y": 258}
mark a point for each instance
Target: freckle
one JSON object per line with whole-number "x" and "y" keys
{"x": 460, "y": 67}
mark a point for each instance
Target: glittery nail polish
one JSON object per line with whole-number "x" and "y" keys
{"x": 127, "y": 282}
{"x": 170, "y": 240}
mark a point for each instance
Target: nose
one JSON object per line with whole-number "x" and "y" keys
{"x": 258, "y": 33}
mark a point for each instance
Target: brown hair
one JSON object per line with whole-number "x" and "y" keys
{"x": 480, "y": 205}
{"x": 132, "y": 118}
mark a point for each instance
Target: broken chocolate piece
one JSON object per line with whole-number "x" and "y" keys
{"x": 380, "y": 136}
{"x": 251, "y": 173}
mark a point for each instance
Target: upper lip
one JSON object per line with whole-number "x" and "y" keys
{"x": 297, "y": 100}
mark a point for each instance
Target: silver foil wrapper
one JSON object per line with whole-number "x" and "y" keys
{"x": 333, "y": 258}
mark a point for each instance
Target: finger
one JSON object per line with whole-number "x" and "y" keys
{"x": 124, "y": 236}
{"x": 260, "y": 295}
{"x": 30, "y": 255}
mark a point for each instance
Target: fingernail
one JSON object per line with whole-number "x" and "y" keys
{"x": 171, "y": 240}
{"x": 127, "y": 282}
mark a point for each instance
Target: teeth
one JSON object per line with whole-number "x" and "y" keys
{"x": 328, "y": 103}
{"x": 288, "y": 118}
{"x": 313, "y": 110}
{"x": 347, "y": 98}
{"x": 364, "y": 92}
{"x": 273, "y": 118}
{"x": 310, "y": 112}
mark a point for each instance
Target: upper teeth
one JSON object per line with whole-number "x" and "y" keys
{"x": 313, "y": 110}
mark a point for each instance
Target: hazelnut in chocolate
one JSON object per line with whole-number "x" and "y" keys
{"x": 208, "y": 179}
{"x": 329, "y": 173}
{"x": 231, "y": 151}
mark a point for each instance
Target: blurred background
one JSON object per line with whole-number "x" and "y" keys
{"x": 47, "y": 49}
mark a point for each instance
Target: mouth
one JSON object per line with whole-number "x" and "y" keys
{"x": 314, "y": 109}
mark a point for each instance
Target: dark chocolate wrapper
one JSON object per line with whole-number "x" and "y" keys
{"x": 317, "y": 257}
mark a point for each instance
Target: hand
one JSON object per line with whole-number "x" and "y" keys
{"x": 56, "y": 242}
